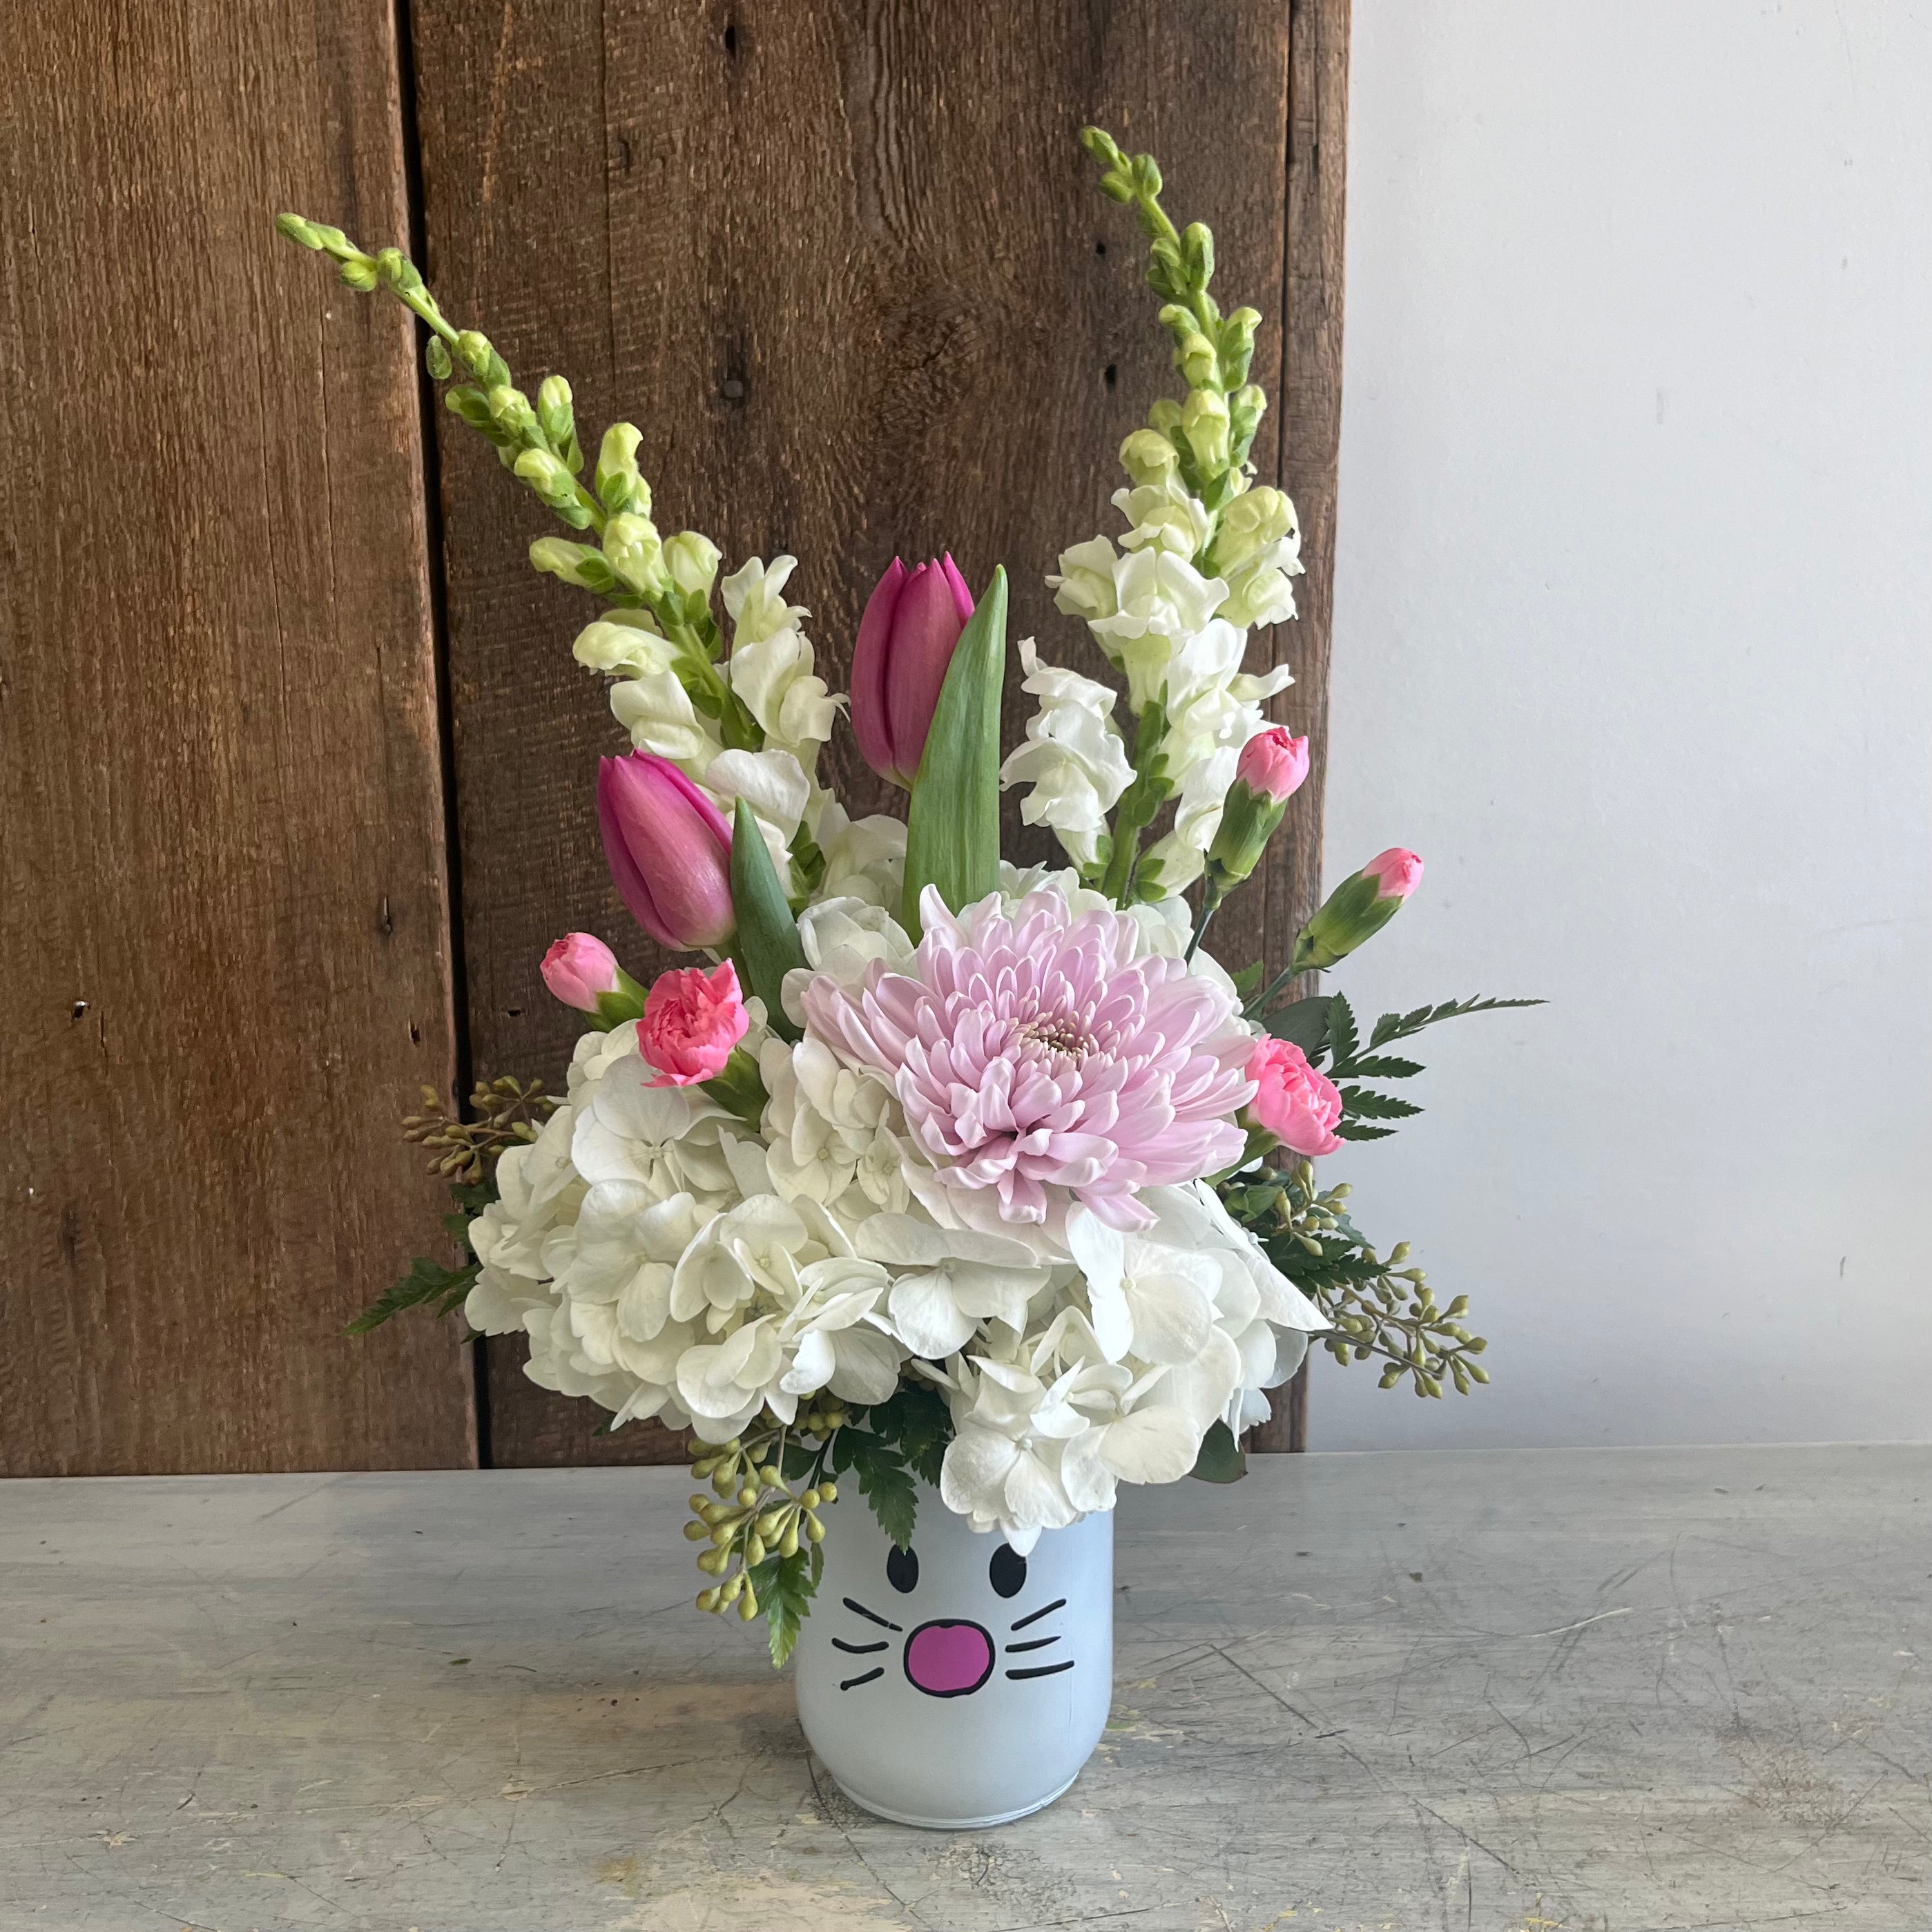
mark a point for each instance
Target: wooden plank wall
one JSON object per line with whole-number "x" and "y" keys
{"x": 222, "y": 879}
{"x": 847, "y": 269}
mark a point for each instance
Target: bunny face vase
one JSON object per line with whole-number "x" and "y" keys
{"x": 957, "y": 1684}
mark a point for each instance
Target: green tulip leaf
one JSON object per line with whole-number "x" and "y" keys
{"x": 1222, "y": 1459}
{"x": 952, "y": 827}
{"x": 767, "y": 947}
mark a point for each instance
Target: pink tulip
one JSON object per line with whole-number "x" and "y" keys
{"x": 577, "y": 968}
{"x": 1396, "y": 873}
{"x": 669, "y": 850}
{"x": 692, "y": 1020}
{"x": 912, "y": 622}
{"x": 1273, "y": 764}
{"x": 1296, "y": 1102}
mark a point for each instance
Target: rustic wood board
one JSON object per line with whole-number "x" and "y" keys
{"x": 848, "y": 269}
{"x": 222, "y": 874}
{"x": 1509, "y": 1691}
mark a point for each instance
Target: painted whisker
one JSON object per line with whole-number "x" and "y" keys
{"x": 1043, "y": 1670}
{"x": 866, "y": 1649}
{"x": 1032, "y": 1643}
{"x": 852, "y": 1683}
{"x": 1032, "y": 1617}
{"x": 883, "y": 1623}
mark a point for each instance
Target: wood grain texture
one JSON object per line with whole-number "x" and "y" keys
{"x": 848, "y": 271}
{"x": 222, "y": 889}
{"x": 1311, "y": 388}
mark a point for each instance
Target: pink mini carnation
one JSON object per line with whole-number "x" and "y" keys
{"x": 1274, "y": 764}
{"x": 1294, "y": 1101}
{"x": 577, "y": 968}
{"x": 692, "y": 1020}
{"x": 1396, "y": 873}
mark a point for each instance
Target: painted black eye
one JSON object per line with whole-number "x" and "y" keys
{"x": 1007, "y": 1571}
{"x": 902, "y": 1569}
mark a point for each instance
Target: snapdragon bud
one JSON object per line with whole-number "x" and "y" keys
{"x": 1254, "y": 519}
{"x": 575, "y": 563}
{"x": 1245, "y": 412}
{"x": 692, "y": 560}
{"x": 511, "y": 409}
{"x": 1238, "y": 344}
{"x": 618, "y": 485}
{"x": 635, "y": 550}
{"x": 1164, "y": 417}
{"x": 1197, "y": 361}
{"x": 558, "y": 422}
{"x": 546, "y": 475}
{"x": 1204, "y": 423}
{"x": 1148, "y": 458}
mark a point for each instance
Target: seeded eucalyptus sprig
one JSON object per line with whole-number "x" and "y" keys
{"x": 1378, "y": 1305}
{"x": 630, "y": 565}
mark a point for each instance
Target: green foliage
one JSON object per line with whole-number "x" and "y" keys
{"x": 1393, "y": 1026}
{"x": 1222, "y": 1459}
{"x": 952, "y": 823}
{"x": 918, "y": 1423}
{"x": 785, "y": 1586}
{"x": 767, "y": 946}
{"x": 884, "y": 1480}
{"x": 427, "y": 1281}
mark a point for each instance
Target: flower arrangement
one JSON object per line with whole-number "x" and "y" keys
{"x": 938, "y": 1167}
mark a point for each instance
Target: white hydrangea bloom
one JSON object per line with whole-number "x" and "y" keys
{"x": 1073, "y": 758}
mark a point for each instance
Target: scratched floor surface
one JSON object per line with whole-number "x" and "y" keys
{"x": 1619, "y": 1691}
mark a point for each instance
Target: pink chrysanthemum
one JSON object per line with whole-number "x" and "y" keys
{"x": 1033, "y": 1051}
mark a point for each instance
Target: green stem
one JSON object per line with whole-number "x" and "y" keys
{"x": 1211, "y": 904}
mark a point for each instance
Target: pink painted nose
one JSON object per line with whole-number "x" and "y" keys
{"x": 946, "y": 1659}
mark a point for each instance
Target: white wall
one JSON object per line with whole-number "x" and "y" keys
{"x": 1633, "y": 643}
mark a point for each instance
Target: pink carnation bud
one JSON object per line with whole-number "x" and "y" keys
{"x": 1294, "y": 1101}
{"x": 692, "y": 1020}
{"x": 577, "y": 968}
{"x": 1396, "y": 873}
{"x": 669, "y": 850}
{"x": 1274, "y": 764}
{"x": 906, "y": 639}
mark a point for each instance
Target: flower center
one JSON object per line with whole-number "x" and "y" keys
{"x": 1056, "y": 1032}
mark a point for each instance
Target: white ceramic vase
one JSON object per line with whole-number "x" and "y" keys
{"x": 956, "y": 1683}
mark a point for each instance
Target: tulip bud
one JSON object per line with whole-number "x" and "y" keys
{"x": 1272, "y": 767}
{"x": 1357, "y": 909}
{"x": 906, "y": 638}
{"x": 669, "y": 850}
